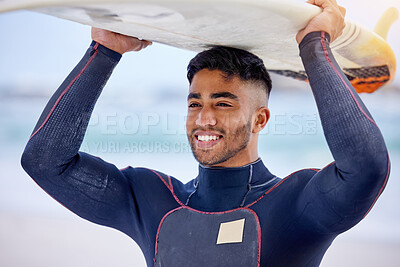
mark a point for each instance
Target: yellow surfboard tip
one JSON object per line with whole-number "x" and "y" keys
{"x": 385, "y": 22}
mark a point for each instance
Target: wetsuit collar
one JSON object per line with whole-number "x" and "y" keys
{"x": 227, "y": 188}
{"x": 219, "y": 177}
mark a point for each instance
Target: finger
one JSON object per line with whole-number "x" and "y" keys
{"x": 145, "y": 43}
{"x": 142, "y": 45}
{"x": 342, "y": 10}
{"x": 323, "y": 3}
{"x": 333, "y": 2}
{"x": 326, "y": 4}
{"x": 148, "y": 42}
{"x": 320, "y": 3}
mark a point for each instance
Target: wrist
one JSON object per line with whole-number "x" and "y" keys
{"x": 314, "y": 36}
{"x": 112, "y": 54}
{"x": 314, "y": 47}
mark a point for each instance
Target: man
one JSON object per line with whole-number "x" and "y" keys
{"x": 235, "y": 213}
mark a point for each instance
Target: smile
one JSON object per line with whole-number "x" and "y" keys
{"x": 207, "y": 140}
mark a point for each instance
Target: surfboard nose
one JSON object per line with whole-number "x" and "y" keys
{"x": 385, "y": 22}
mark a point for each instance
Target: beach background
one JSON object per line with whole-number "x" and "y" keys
{"x": 139, "y": 121}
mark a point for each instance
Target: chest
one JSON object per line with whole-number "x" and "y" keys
{"x": 187, "y": 237}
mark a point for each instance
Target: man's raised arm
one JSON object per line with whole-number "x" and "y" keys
{"x": 341, "y": 194}
{"x": 87, "y": 185}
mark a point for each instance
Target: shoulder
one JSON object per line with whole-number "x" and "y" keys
{"x": 146, "y": 175}
{"x": 294, "y": 182}
{"x": 153, "y": 180}
{"x": 309, "y": 172}
{"x": 297, "y": 180}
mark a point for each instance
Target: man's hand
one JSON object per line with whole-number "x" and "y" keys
{"x": 331, "y": 20}
{"x": 118, "y": 42}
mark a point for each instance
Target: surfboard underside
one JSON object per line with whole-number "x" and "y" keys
{"x": 265, "y": 28}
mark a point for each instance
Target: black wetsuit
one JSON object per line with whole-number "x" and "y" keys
{"x": 277, "y": 222}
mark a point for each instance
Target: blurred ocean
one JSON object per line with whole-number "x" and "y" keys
{"x": 125, "y": 131}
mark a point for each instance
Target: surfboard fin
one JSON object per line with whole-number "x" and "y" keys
{"x": 385, "y": 22}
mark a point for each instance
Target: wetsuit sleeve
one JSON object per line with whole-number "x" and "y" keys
{"x": 341, "y": 194}
{"x": 88, "y": 186}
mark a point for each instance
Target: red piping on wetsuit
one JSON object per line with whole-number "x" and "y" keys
{"x": 67, "y": 89}
{"x": 360, "y": 108}
{"x": 159, "y": 227}
{"x": 58, "y": 100}
{"x": 182, "y": 206}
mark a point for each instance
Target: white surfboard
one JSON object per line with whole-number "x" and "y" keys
{"x": 264, "y": 27}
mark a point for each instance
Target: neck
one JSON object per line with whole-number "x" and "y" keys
{"x": 225, "y": 188}
{"x": 244, "y": 157}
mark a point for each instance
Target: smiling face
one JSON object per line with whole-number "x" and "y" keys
{"x": 224, "y": 119}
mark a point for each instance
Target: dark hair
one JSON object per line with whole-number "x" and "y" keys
{"x": 231, "y": 61}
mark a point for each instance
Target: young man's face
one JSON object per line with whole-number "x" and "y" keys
{"x": 220, "y": 120}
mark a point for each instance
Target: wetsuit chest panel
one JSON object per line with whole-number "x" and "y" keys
{"x": 189, "y": 238}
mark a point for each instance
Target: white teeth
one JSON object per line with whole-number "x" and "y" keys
{"x": 207, "y": 138}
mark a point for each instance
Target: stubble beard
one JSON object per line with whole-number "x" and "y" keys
{"x": 233, "y": 144}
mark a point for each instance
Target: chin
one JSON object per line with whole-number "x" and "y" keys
{"x": 209, "y": 160}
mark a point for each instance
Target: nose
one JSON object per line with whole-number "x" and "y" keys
{"x": 206, "y": 117}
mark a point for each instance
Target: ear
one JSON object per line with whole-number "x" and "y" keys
{"x": 261, "y": 117}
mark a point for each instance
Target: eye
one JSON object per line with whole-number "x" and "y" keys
{"x": 194, "y": 105}
{"x": 223, "y": 104}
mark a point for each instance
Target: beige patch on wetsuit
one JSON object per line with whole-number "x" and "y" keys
{"x": 231, "y": 232}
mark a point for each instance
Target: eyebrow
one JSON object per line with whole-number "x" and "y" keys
{"x": 224, "y": 95}
{"x": 194, "y": 95}
{"x": 214, "y": 96}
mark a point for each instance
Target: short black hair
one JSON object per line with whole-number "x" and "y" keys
{"x": 233, "y": 62}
